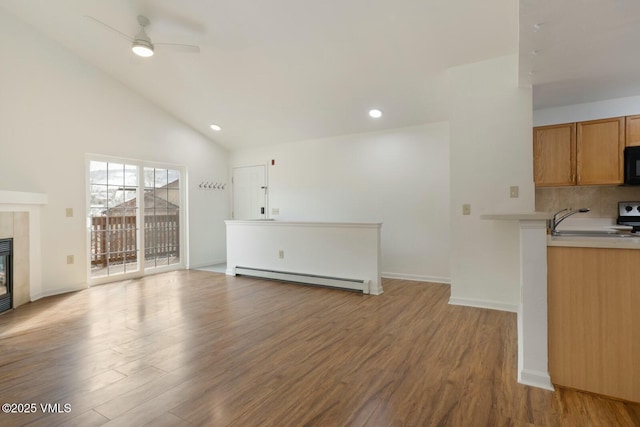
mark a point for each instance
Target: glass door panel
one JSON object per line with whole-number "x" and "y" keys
{"x": 114, "y": 222}
{"x": 161, "y": 217}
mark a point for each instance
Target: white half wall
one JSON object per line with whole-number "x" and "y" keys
{"x": 398, "y": 177}
{"x": 327, "y": 250}
{"x": 55, "y": 108}
{"x": 588, "y": 111}
{"x": 490, "y": 150}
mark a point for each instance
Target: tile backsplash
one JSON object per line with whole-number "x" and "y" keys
{"x": 602, "y": 200}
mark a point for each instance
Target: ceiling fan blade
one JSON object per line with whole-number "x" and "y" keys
{"x": 176, "y": 47}
{"x": 109, "y": 27}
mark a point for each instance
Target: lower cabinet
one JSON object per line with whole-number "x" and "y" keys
{"x": 594, "y": 320}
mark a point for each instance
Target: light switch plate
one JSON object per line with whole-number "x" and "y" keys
{"x": 514, "y": 192}
{"x": 466, "y": 209}
{"x": 69, "y": 212}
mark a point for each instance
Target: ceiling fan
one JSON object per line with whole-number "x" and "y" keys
{"x": 141, "y": 44}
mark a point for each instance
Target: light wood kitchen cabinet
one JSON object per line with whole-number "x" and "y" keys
{"x": 632, "y": 134}
{"x": 599, "y": 151}
{"x": 594, "y": 320}
{"x": 554, "y": 155}
{"x": 583, "y": 153}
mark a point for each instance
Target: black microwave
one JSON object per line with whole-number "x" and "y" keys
{"x": 632, "y": 166}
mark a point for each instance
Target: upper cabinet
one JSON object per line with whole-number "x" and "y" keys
{"x": 554, "y": 155}
{"x": 633, "y": 131}
{"x": 600, "y": 151}
{"x": 583, "y": 153}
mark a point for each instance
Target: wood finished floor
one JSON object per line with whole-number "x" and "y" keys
{"x": 200, "y": 348}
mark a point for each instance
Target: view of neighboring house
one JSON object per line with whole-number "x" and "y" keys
{"x": 114, "y": 232}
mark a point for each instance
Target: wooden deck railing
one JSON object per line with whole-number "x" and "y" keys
{"x": 114, "y": 238}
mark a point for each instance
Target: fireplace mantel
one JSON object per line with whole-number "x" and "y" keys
{"x": 20, "y": 220}
{"x": 22, "y": 198}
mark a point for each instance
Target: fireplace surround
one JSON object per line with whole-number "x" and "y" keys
{"x": 20, "y": 222}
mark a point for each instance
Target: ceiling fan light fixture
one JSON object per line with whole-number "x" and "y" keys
{"x": 142, "y": 48}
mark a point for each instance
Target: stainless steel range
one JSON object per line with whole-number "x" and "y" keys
{"x": 629, "y": 214}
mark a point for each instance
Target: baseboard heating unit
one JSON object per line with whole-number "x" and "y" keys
{"x": 309, "y": 279}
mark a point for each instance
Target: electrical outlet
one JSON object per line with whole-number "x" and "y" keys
{"x": 69, "y": 212}
{"x": 466, "y": 209}
{"x": 70, "y": 259}
{"x": 514, "y": 192}
{"x": 275, "y": 211}
{"x": 281, "y": 254}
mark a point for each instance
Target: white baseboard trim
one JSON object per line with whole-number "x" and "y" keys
{"x": 491, "y": 305}
{"x": 535, "y": 379}
{"x": 207, "y": 264}
{"x": 59, "y": 291}
{"x": 416, "y": 278}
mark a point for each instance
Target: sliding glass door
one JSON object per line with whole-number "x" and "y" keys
{"x": 133, "y": 209}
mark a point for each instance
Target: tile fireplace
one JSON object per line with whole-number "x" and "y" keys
{"x": 20, "y": 224}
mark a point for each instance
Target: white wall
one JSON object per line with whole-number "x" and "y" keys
{"x": 490, "y": 150}
{"x": 55, "y": 108}
{"x": 588, "y": 111}
{"x": 398, "y": 177}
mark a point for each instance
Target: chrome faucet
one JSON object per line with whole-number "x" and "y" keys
{"x": 556, "y": 221}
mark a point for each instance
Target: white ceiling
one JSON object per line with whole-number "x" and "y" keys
{"x": 274, "y": 71}
{"x": 580, "y": 50}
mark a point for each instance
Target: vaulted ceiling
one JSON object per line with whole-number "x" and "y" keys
{"x": 576, "y": 51}
{"x": 274, "y": 71}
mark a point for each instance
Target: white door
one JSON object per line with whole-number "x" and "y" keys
{"x": 249, "y": 192}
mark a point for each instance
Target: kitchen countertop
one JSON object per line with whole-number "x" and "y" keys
{"x": 575, "y": 224}
{"x": 594, "y": 242}
{"x": 578, "y": 224}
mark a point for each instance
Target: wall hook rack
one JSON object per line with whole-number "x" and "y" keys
{"x": 211, "y": 185}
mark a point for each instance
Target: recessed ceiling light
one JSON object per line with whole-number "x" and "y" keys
{"x": 215, "y": 127}
{"x": 375, "y": 113}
